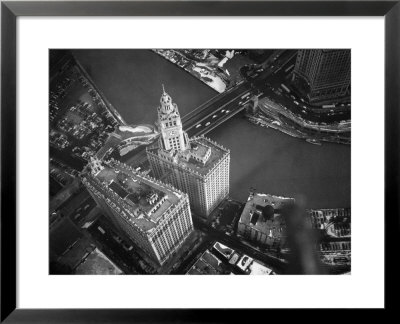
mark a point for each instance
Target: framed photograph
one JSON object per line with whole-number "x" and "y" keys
{"x": 163, "y": 158}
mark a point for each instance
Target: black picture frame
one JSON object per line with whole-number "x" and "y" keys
{"x": 10, "y": 10}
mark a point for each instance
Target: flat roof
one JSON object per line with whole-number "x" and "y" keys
{"x": 204, "y": 268}
{"x": 97, "y": 263}
{"x": 217, "y": 153}
{"x": 257, "y": 268}
{"x": 252, "y": 215}
{"x": 137, "y": 190}
{"x": 223, "y": 249}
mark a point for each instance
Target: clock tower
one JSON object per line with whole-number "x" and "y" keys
{"x": 199, "y": 166}
{"x": 170, "y": 126}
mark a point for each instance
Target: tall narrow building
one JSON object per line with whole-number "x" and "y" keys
{"x": 323, "y": 75}
{"x": 154, "y": 215}
{"x": 197, "y": 166}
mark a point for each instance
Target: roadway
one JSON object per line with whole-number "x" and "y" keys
{"x": 227, "y": 104}
{"x": 275, "y": 264}
{"x": 210, "y": 114}
{"x": 281, "y": 71}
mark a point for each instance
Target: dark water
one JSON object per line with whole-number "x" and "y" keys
{"x": 131, "y": 80}
{"x": 266, "y": 159}
{"x": 275, "y": 163}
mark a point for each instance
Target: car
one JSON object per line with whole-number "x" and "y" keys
{"x": 222, "y": 110}
{"x": 226, "y": 112}
{"x": 197, "y": 126}
{"x": 208, "y": 123}
{"x": 214, "y": 116}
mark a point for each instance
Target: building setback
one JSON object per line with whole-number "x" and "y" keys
{"x": 197, "y": 166}
{"x": 154, "y": 215}
{"x": 323, "y": 75}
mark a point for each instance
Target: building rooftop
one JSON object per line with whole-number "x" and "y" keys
{"x": 97, "y": 263}
{"x": 203, "y": 267}
{"x": 74, "y": 255}
{"x": 208, "y": 263}
{"x": 199, "y": 149}
{"x": 223, "y": 249}
{"x": 244, "y": 262}
{"x": 257, "y": 268}
{"x": 263, "y": 212}
{"x": 147, "y": 198}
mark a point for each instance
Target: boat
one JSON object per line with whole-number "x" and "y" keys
{"x": 313, "y": 141}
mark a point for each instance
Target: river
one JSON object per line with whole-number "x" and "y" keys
{"x": 266, "y": 159}
{"x": 132, "y": 81}
{"x": 275, "y": 163}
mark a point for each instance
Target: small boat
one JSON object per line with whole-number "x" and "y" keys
{"x": 313, "y": 141}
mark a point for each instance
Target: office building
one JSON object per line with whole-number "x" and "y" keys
{"x": 197, "y": 166}
{"x": 323, "y": 76}
{"x": 154, "y": 215}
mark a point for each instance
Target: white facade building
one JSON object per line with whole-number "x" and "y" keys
{"x": 154, "y": 215}
{"x": 197, "y": 166}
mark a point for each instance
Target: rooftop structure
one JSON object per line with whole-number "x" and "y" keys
{"x": 261, "y": 219}
{"x": 154, "y": 215}
{"x": 223, "y": 249}
{"x": 244, "y": 263}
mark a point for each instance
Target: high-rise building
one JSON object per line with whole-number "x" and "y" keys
{"x": 154, "y": 215}
{"x": 197, "y": 166}
{"x": 323, "y": 75}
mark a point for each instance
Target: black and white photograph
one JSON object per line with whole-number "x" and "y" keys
{"x": 224, "y": 161}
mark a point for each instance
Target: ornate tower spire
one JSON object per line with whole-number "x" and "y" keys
{"x": 170, "y": 124}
